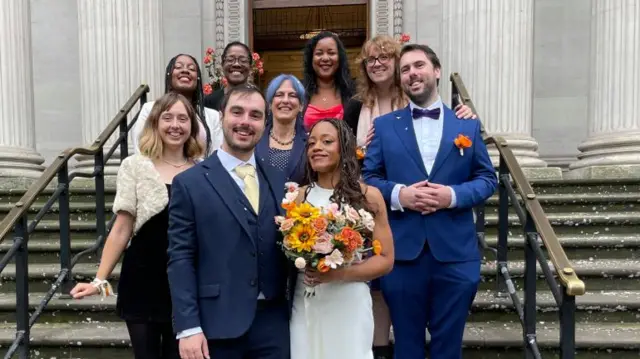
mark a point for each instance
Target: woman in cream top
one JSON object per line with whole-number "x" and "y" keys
{"x": 183, "y": 76}
{"x": 169, "y": 145}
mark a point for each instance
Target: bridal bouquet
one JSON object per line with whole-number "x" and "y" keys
{"x": 324, "y": 238}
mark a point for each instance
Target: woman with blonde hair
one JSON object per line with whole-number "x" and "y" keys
{"x": 378, "y": 92}
{"x": 169, "y": 145}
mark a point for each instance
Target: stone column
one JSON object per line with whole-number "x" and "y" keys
{"x": 385, "y": 17}
{"x": 120, "y": 48}
{"x": 18, "y": 156}
{"x": 490, "y": 43}
{"x": 613, "y": 146}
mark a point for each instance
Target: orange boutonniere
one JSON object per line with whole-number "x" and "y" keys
{"x": 360, "y": 153}
{"x": 462, "y": 142}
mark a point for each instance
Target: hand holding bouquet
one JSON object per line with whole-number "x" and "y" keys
{"x": 322, "y": 238}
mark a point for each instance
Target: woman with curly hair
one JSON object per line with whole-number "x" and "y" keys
{"x": 378, "y": 90}
{"x": 327, "y": 79}
{"x": 338, "y": 321}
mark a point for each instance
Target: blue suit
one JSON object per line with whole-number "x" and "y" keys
{"x": 295, "y": 170}
{"x": 437, "y": 267}
{"x": 223, "y": 256}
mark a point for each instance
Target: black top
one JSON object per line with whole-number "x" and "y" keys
{"x": 214, "y": 100}
{"x": 352, "y": 114}
{"x": 143, "y": 290}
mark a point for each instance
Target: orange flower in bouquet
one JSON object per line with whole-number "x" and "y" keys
{"x": 325, "y": 238}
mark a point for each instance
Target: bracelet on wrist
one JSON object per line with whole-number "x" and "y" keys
{"x": 103, "y": 286}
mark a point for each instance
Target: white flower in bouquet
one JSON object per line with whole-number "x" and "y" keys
{"x": 367, "y": 219}
{"x": 334, "y": 260}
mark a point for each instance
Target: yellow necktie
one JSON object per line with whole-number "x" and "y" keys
{"x": 248, "y": 175}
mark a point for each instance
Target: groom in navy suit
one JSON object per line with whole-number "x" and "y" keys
{"x": 227, "y": 275}
{"x": 431, "y": 182}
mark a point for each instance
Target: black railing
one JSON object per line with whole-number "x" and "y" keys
{"x": 17, "y": 219}
{"x": 515, "y": 191}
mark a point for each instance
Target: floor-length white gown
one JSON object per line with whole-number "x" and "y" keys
{"x": 336, "y": 323}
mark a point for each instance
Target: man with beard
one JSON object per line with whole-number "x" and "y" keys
{"x": 227, "y": 275}
{"x": 432, "y": 169}
{"x": 236, "y": 67}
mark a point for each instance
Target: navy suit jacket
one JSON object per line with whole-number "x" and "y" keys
{"x": 393, "y": 158}
{"x": 295, "y": 171}
{"x": 213, "y": 267}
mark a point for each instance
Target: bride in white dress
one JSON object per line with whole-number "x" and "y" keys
{"x": 337, "y": 323}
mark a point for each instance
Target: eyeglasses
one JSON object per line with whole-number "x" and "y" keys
{"x": 382, "y": 59}
{"x": 230, "y": 60}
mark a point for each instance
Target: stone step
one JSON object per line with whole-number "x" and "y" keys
{"x": 555, "y": 202}
{"x": 601, "y": 274}
{"x": 611, "y": 186}
{"x": 603, "y": 306}
{"x": 580, "y": 202}
{"x": 491, "y": 220}
{"x": 598, "y": 274}
{"x": 76, "y": 352}
{"x": 74, "y": 206}
{"x": 600, "y": 336}
{"x": 592, "y": 307}
{"x": 45, "y": 249}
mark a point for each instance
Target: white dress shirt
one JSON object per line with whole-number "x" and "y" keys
{"x": 229, "y": 162}
{"x": 428, "y": 135}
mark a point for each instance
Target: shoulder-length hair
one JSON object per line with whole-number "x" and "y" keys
{"x": 151, "y": 144}
{"x": 273, "y": 87}
{"x": 365, "y": 88}
{"x": 342, "y": 77}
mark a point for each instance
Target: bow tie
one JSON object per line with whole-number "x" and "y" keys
{"x": 433, "y": 113}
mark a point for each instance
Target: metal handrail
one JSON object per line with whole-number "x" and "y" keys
{"x": 17, "y": 219}
{"x": 564, "y": 269}
{"x": 22, "y": 206}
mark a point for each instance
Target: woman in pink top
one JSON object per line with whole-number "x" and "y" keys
{"x": 327, "y": 80}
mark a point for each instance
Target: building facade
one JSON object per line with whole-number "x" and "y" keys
{"x": 560, "y": 80}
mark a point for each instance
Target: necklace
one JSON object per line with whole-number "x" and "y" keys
{"x": 174, "y": 165}
{"x": 282, "y": 143}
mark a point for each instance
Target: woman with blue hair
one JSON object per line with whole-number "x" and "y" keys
{"x": 283, "y": 144}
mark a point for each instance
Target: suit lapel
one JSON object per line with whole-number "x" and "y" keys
{"x": 268, "y": 187}
{"x": 404, "y": 128}
{"x": 262, "y": 148}
{"x": 223, "y": 184}
{"x": 449, "y": 132}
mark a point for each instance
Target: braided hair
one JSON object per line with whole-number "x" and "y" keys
{"x": 197, "y": 99}
{"x": 348, "y": 189}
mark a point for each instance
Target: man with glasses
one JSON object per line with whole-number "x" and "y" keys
{"x": 236, "y": 67}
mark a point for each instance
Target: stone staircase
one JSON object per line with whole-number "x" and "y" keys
{"x": 597, "y": 223}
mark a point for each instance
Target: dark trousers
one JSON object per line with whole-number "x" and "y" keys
{"x": 425, "y": 293}
{"x": 153, "y": 340}
{"x": 267, "y": 338}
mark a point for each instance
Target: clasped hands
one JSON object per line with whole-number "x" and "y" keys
{"x": 425, "y": 197}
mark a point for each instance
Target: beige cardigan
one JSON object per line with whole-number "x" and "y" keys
{"x": 140, "y": 190}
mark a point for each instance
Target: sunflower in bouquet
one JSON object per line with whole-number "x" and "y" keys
{"x": 324, "y": 238}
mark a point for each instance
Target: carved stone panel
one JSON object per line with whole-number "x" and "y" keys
{"x": 386, "y": 17}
